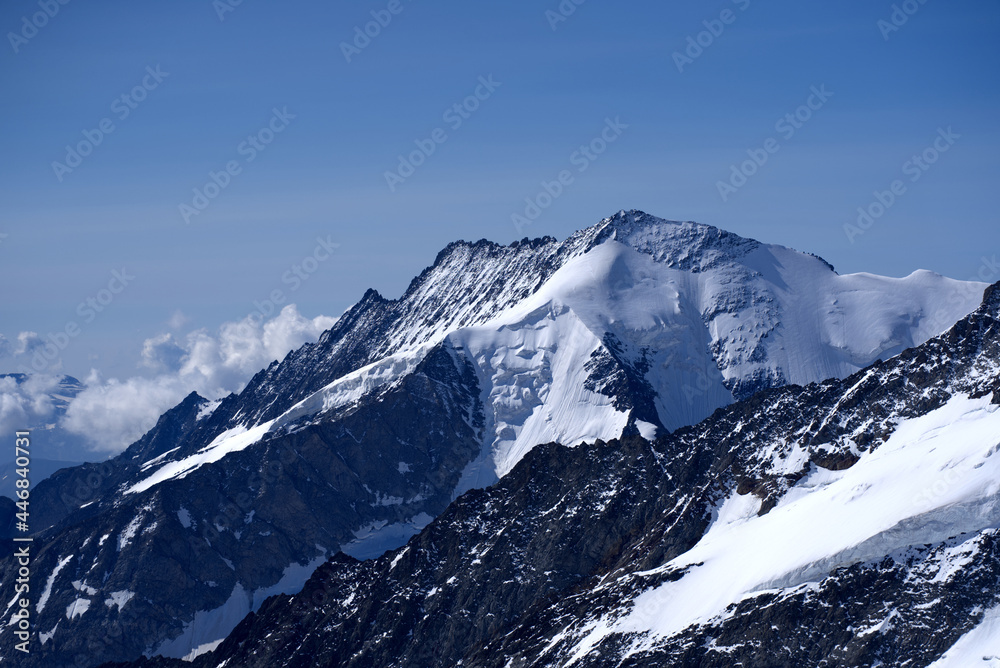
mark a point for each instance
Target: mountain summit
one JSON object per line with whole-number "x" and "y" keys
{"x": 634, "y": 327}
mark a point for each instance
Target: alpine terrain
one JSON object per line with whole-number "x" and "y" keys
{"x": 652, "y": 443}
{"x": 850, "y": 522}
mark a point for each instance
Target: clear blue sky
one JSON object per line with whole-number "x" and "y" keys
{"x": 324, "y": 174}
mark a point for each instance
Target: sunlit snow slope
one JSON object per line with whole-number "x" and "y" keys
{"x": 937, "y": 476}
{"x": 650, "y": 324}
{"x": 852, "y": 522}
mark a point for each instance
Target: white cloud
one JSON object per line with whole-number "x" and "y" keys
{"x": 25, "y": 404}
{"x": 111, "y": 414}
{"x": 39, "y": 389}
{"x": 13, "y": 406}
{"x": 114, "y": 413}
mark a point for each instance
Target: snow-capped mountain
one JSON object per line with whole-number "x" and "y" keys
{"x": 634, "y": 323}
{"x": 39, "y": 403}
{"x": 851, "y": 522}
{"x": 634, "y": 327}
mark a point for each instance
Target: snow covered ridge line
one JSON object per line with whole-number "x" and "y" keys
{"x": 341, "y": 392}
{"x": 633, "y": 248}
{"x": 924, "y": 416}
{"x": 598, "y": 256}
{"x": 440, "y": 301}
{"x": 229, "y": 441}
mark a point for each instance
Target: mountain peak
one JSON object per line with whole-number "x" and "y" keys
{"x": 685, "y": 245}
{"x": 638, "y": 217}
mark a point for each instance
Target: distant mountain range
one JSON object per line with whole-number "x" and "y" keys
{"x": 620, "y": 337}
{"x": 61, "y": 448}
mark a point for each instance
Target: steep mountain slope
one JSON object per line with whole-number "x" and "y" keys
{"x": 634, "y": 324}
{"x": 633, "y": 327}
{"x": 172, "y": 568}
{"x": 846, "y": 523}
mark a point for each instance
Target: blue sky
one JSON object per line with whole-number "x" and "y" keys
{"x": 324, "y": 174}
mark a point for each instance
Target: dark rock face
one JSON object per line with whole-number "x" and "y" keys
{"x": 195, "y": 542}
{"x": 893, "y": 612}
{"x": 622, "y": 377}
{"x": 390, "y": 461}
{"x": 68, "y": 490}
{"x": 515, "y": 575}
{"x": 526, "y": 541}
